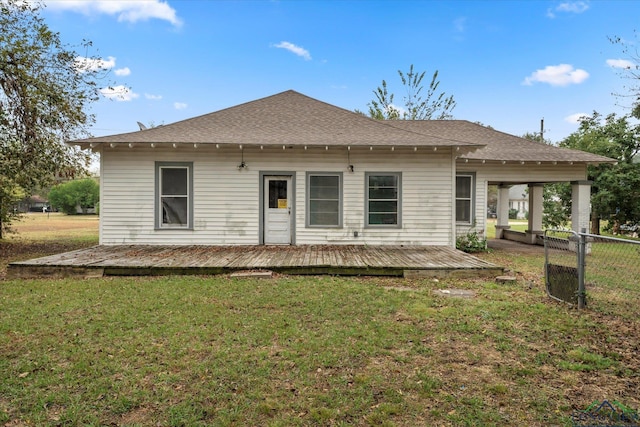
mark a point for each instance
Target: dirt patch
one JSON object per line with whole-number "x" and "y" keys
{"x": 514, "y": 247}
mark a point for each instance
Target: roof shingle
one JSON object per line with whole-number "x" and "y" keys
{"x": 292, "y": 119}
{"x": 287, "y": 118}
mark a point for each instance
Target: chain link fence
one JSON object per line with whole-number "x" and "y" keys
{"x": 604, "y": 271}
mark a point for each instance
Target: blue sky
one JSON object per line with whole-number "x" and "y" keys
{"x": 508, "y": 64}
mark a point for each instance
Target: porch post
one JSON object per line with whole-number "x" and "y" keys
{"x": 580, "y": 205}
{"x": 502, "y": 223}
{"x": 535, "y": 212}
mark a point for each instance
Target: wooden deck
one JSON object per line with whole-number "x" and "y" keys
{"x": 136, "y": 260}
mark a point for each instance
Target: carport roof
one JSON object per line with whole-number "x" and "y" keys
{"x": 498, "y": 146}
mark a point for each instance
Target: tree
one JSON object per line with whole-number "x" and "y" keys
{"x": 615, "y": 193}
{"x": 433, "y": 106}
{"x": 45, "y": 88}
{"x": 68, "y": 197}
{"x": 631, "y": 70}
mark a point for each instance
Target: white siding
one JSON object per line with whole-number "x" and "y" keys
{"x": 226, "y": 201}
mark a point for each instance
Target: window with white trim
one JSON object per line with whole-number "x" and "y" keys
{"x": 174, "y": 198}
{"x": 324, "y": 199}
{"x": 464, "y": 197}
{"x": 383, "y": 199}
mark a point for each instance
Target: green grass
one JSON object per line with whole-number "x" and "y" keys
{"x": 516, "y": 225}
{"x": 189, "y": 351}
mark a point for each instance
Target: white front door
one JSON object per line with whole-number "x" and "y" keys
{"x": 277, "y": 210}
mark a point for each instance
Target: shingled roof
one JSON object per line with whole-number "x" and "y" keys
{"x": 293, "y": 119}
{"x": 288, "y": 118}
{"x": 499, "y": 146}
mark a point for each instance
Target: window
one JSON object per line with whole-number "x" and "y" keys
{"x": 383, "y": 195}
{"x": 174, "y": 200}
{"x": 324, "y": 199}
{"x": 464, "y": 198}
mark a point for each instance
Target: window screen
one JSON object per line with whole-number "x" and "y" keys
{"x": 174, "y": 196}
{"x": 324, "y": 208}
{"x": 464, "y": 198}
{"x": 383, "y": 199}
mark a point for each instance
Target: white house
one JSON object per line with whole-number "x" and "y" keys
{"x": 519, "y": 201}
{"x": 289, "y": 169}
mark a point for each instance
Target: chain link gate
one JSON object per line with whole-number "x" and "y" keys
{"x": 563, "y": 254}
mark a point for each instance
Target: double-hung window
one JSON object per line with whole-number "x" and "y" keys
{"x": 464, "y": 197}
{"x": 324, "y": 199}
{"x": 383, "y": 199}
{"x": 174, "y": 195}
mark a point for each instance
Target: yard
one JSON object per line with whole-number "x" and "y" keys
{"x": 184, "y": 351}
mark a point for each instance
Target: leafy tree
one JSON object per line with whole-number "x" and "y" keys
{"x": 44, "y": 91}
{"x": 433, "y": 106}
{"x": 556, "y": 205}
{"x": 615, "y": 193}
{"x": 68, "y": 197}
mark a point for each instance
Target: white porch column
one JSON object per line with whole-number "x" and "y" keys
{"x": 580, "y": 205}
{"x": 535, "y": 212}
{"x": 502, "y": 223}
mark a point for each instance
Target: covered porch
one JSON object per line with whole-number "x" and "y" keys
{"x": 355, "y": 260}
{"x": 580, "y": 211}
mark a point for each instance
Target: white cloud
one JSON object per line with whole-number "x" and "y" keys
{"x": 153, "y": 97}
{"x": 573, "y": 7}
{"x": 179, "y": 105}
{"x": 575, "y": 118}
{"x": 568, "y": 7}
{"x": 621, "y": 63}
{"x": 298, "y": 50}
{"x": 122, "y": 71}
{"x": 460, "y": 24}
{"x": 557, "y": 75}
{"x": 125, "y": 10}
{"x": 119, "y": 93}
{"x": 83, "y": 64}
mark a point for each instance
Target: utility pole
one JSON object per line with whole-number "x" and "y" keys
{"x": 542, "y": 129}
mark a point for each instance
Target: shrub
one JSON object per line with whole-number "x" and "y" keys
{"x": 70, "y": 196}
{"x": 471, "y": 242}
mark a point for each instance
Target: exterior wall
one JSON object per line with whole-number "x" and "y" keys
{"x": 226, "y": 200}
{"x": 495, "y": 173}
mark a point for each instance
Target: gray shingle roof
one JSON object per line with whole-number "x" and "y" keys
{"x": 499, "y": 146}
{"x": 287, "y": 118}
{"x": 292, "y": 119}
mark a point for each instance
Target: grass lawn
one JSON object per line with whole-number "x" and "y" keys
{"x": 183, "y": 351}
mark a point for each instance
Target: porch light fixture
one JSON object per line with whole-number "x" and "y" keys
{"x": 350, "y": 166}
{"x": 243, "y": 165}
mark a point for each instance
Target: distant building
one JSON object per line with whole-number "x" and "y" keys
{"x": 519, "y": 200}
{"x": 33, "y": 203}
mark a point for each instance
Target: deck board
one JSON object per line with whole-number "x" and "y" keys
{"x": 304, "y": 259}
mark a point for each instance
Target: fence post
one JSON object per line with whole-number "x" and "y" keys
{"x": 582, "y": 250}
